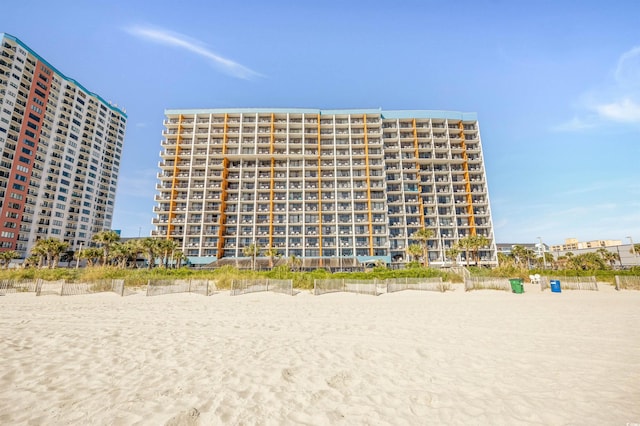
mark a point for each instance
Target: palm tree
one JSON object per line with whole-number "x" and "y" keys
{"x": 167, "y": 248}
{"x": 465, "y": 244}
{"x": 251, "y": 251}
{"x": 56, "y": 248}
{"x": 415, "y": 251}
{"x": 452, "y": 253}
{"x": 423, "y": 236}
{"x": 179, "y": 257}
{"x": 121, "y": 253}
{"x": 7, "y": 256}
{"x": 67, "y": 256}
{"x": 91, "y": 254}
{"x": 49, "y": 250}
{"x": 523, "y": 256}
{"x": 39, "y": 253}
{"x": 151, "y": 248}
{"x": 272, "y": 253}
{"x": 135, "y": 247}
{"x": 608, "y": 256}
{"x": 294, "y": 263}
{"x": 107, "y": 239}
{"x": 547, "y": 260}
{"x": 587, "y": 261}
{"x": 477, "y": 242}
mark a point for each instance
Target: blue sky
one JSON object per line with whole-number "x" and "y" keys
{"x": 556, "y": 85}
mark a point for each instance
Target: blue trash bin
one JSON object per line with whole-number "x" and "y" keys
{"x": 555, "y": 286}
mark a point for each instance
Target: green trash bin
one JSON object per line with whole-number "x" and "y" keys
{"x": 517, "y": 285}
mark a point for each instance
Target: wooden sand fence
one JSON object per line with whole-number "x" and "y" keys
{"x": 21, "y": 286}
{"x": 570, "y": 283}
{"x": 486, "y": 283}
{"x": 160, "y": 287}
{"x": 239, "y": 287}
{"x": 627, "y": 282}
{"x": 345, "y": 285}
{"x": 46, "y": 288}
{"x": 421, "y": 284}
{"x": 99, "y": 286}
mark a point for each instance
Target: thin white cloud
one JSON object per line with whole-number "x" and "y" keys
{"x": 622, "y": 110}
{"x": 181, "y": 41}
{"x": 576, "y": 124}
{"x": 628, "y": 69}
{"x": 617, "y": 102}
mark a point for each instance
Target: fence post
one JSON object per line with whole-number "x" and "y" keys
{"x": 617, "y": 282}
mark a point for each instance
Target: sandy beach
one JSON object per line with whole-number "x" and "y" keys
{"x": 481, "y": 358}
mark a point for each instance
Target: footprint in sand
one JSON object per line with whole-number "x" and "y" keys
{"x": 340, "y": 380}
{"x": 190, "y": 417}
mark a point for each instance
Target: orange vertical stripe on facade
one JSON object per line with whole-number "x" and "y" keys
{"x": 223, "y": 189}
{"x": 273, "y": 184}
{"x": 174, "y": 180}
{"x": 417, "y": 154}
{"x": 465, "y": 166}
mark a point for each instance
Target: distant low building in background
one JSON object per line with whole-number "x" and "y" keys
{"x": 506, "y": 248}
{"x": 538, "y": 248}
{"x": 574, "y": 244}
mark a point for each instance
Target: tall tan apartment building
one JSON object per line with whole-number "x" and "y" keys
{"x": 60, "y": 149}
{"x": 321, "y": 184}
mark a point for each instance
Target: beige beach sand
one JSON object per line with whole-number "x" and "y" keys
{"x": 483, "y": 357}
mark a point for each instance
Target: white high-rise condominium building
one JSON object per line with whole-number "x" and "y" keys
{"x": 322, "y": 184}
{"x": 60, "y": 149}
